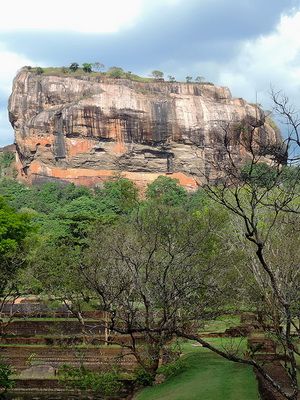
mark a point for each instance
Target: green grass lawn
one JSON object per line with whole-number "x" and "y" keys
{"x": 220, "y": 324}
{"x": 206, "y": 377}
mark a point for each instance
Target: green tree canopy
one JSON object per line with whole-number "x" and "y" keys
{"x": 119, "y": 196}
{"x": 167, "y": 191}
{"x": 14, "y": 229}
{"x": 98, "y": 66}
{"x": 74, "y": 66}
{"x": 116, "y": 72}
{"x": 87, "y": 67}
{"x": 157, "y": 74}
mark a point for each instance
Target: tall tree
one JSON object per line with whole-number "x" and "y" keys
{"x": 14, "y": 229}
{"x": 155, "y": 274}
{"x": 263, "y": 198}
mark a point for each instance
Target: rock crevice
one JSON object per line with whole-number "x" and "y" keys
{"x": 85, "y": 129}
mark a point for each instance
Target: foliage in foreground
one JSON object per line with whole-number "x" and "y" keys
{"x": 172, "y": 368}
{"x": 5, "y": 376}
{"x": 104, "y": 383}
{"x": 15, "y": 228}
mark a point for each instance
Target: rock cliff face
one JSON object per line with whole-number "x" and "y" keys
{"x": 85, "y": 129}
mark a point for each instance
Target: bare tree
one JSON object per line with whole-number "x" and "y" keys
{"x": 199, "y": 79}
{"x": 157, "y": 75}
{"x": 157, "y": 274}
{"x": 263, "y": 195}
{"x": 56, "y": 269}
{"x": 98, "y": 66}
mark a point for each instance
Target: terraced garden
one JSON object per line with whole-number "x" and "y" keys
{"x": 38, "y": 347}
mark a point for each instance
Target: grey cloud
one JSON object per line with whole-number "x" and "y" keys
{"x": 195, "y": 34}
{"x": 195, "y": 29}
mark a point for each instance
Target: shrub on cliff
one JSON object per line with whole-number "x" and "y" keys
{"x": 74, "y": 66}
{"x": 116, "y": 72}
{"x": 39, "y": 70}
{"x": 171, "y": 78}
{"x": 87, "y": 67}
{"x": 98, "y": 66}
{"x": 199, "y": 79}
{"x": 157, "y": 75}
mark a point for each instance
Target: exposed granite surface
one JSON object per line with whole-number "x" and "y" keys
{"x": 85, "y": 129}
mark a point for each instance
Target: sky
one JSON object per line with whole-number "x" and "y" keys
{"x": 247, "y": 45}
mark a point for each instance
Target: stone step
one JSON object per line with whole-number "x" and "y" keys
{"x": 62, "y": 340}
{"x": 70, "y": 327}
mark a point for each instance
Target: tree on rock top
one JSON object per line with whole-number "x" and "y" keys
{"x": 98, "y": 66}
{"x": 74, "y": 66}
{"x": 116, "y": 72}
{"x": 157, "y": 75}
{"x": 87, "y": 67}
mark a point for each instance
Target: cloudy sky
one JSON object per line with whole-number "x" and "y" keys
{"x": 247, "y": 45}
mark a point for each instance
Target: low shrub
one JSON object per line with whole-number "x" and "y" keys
{"x": 39, "y": 70}
{"x": 143, "y": 377}
{"x": 172, "y": 368}
{"x": 5, "y": 376}
{"x": 105, "y": 383}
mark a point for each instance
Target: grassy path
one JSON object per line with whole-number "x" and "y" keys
{"x": 206, "y": 377}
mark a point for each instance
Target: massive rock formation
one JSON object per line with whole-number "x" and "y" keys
{"x": 84, "y": 129}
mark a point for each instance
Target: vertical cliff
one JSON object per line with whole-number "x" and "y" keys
{"x": 83, "y": 129}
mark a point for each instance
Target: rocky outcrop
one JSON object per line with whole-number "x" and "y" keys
{"x": 84, "y": 129}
